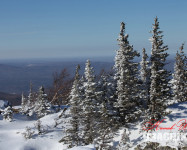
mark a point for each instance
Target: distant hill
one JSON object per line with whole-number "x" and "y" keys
{"x": 15, "y": 76}
{"x": 14, "y": 99}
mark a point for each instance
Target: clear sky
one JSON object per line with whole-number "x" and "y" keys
{"x": 74, "y": 28}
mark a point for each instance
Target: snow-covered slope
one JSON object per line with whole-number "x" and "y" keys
{"x": 11, "y": 137}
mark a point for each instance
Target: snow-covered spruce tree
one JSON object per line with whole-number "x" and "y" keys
{"x": 108, "y": 85}
{"x": 31, "y": 96}
{"x": 105, "y": 130}
{"x": 7, "y": 113}
{"x": 145, "y": 78}
{"x": 107, "y": 121}
{"x": 29, "y": 106}
{"x": 23, "y": 104}
{"x": 89, "y": 114}
{"x": 72, "y": 137}
{"x": 179, "y": 80}
{"x": 42, "y": 106}
{"x": 159, "y": 89}
{"x": 106, "y": 92}
{"x": 127, "y": 78}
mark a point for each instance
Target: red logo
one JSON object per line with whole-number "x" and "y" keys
{"x": 181, "y": 125}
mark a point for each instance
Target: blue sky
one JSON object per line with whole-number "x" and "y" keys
{"x": 85, "y": 28}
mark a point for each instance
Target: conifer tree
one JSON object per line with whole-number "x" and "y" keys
{"x": 145, "y": 78}
{"x": 89, "y": 106}
{"x": 126, "y": 76}
{"x": 23, "y": 104}
{"x": 42, "y": 106}
{"x": 106, "y": 122}
{"x": 31, "y": 96}
{"x": 29, "y": 109}
{"x": 106, "y": 93}
{"x": 23, "y": 100}
{"x": 179, "y": 80}
{"x": 7, "y": 113}
{"x": 105, "y": 129}
{"x": 82, "y": 89}
{"x": 72, "y": 137}
{"x": 159, "y": 88}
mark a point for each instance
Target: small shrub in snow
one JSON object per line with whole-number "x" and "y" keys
{"x": 7, "y": 114}
{"x": 39, "y": 127}
{"x": 124, "y": 143}
{"x": 28, "y": 133}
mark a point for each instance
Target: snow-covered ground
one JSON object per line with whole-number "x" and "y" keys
{"x": 11, "y": 137}
{"x": 11, "y": 134}
{"x": 167, "y": 131}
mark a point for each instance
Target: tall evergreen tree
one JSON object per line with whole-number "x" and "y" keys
{"x": 159, "y": 88}
{"x": 89, "y": 106}
{"x": 145, "y": 78}
{"x": 126, "y": 76}
{"x": 105, "y": 129}
{"x": 179, "y": 80}
{"x": 73, "y": 137}
{"x": 106, "y": 122}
